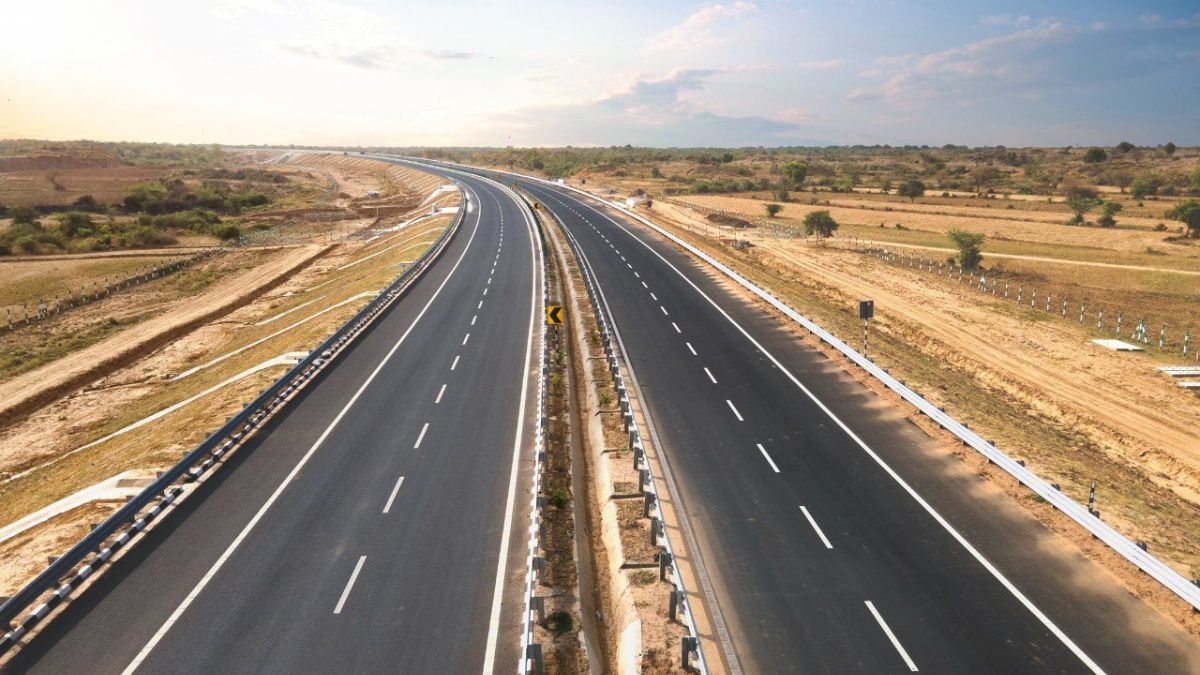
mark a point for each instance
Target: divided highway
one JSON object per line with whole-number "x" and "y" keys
{"x": 836, "y": 539}
{"x": 370, "y": 527}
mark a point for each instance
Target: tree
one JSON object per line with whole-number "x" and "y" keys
{"x": 1081, "y": 200}
{"x": 23, "y": 215}
{"x": 1121, "y": 179}
{"x": 773, "y": 210}
{"x": 87, "y": 203}
{"x": 782, "y": 195}
{"x": 984, "y": 177}
{"x": 968, "y": 244}
{"x": 1142, "y": 186}
{"x": 886, "y": 186}
{"x": 819, "y": 223}
{"x": 912, "y": 189}
{"x": 1108, "y": 210}
{"x": 1169, "y": 148}
{"x": 1095, "y": 156}
{"x": 1125, "y": 146}
{"x": 795, "y": 172}
{"x": 1188, "y": 213}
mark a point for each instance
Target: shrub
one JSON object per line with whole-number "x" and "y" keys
{"x": 1188, "y": 213}
{"x": 911, "y": 189}
{"x": 1143, "y": 186}
{"x": 773, "y": 210}
{"x": 968, "y": 244}
{"x": 819, "y": 223}
{"x": 227, "y": 232}
{"x": 1095, "y": 156}
{"x": 1109, "y": 209}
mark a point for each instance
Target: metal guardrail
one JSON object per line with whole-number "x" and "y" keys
{"x": 164, "y": 490}
{"x": 666, "y": 556}
{"x": 534, "y": 564}
{"x": 1155, "y": 568}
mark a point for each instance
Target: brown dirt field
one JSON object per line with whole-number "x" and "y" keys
{"x": 107, "y": 184}
{"x": 27, "y": 392}
{"x": 1115, "y": 239}
{"x": 31, "y": 279}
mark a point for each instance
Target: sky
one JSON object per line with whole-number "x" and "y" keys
{"x": 666, "y": 73}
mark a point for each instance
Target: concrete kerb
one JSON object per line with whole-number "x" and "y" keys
{"x": 622, "y": 612}
{"x": 633, "y": 415}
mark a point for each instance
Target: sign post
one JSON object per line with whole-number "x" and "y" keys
{"x": 866, "y": 310}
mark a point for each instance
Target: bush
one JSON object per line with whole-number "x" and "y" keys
{"x": 968, "y": 244}
{"x": 1095, "y": 156}
{"x": 227, "y": 232}
{"x": 773, "y": 210}
{"x": 819, "y": 223}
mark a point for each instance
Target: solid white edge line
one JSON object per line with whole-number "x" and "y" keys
{"x": 489, "y": 658}
{"x": 891, "y": 636}
{"x": 439, "y": 396}
{"x": 208, "y": 576}
{"x": 349, "y": 585}
{"x": 762, "y": 450}
{"x": 996, "y": 573}
{"x": 813, "y": 522}
{"x": 421, "y": 436}
{"x": 710, "y": 375}
{"x": 735, "y": 411}
{"x": 392, "y": 497}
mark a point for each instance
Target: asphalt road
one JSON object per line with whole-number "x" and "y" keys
{"x": 363, "y": 531}
{"x": 829, "y": 555}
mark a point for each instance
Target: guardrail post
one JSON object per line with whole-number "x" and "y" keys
{"x": 647, "y": 502}
{"x": 642, "y": 476}
{"x": 539, "y": 566}
{"x": 533, "y": 652}
{"x": 664, "y": 561}
{"x": 538, "y": 604}
{"x": 689, "y": 646}
{"x": 654, "y": 530}
{"x": 673, "y": 608}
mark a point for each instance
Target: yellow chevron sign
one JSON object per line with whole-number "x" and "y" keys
{"x": 553, "y": 315}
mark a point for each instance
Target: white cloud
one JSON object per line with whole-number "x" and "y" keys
{"x": 697, "y": 29}
{"x": 912, "y": 80}
{"x": 654, "y": 111}
{"x": 827, "y": 64}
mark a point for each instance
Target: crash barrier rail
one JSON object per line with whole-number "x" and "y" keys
{"x": 535, "y": 565}
{"x": 647, "y": 482}
{"x": 164, "y": 491}
{"x": 1089, "y": 519}
{"x": 89, "y": 293}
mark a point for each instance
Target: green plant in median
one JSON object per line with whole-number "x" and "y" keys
{"x": 968, "y": 244}
{"x": 820, "y": 224}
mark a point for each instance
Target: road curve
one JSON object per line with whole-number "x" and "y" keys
{"x": 361, "y": 530}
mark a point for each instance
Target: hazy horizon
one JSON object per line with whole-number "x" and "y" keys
{"x": 674, "y": 74}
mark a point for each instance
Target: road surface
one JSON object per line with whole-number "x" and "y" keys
{"x": 363, "y": 530}
{"x": 838, "y": 537}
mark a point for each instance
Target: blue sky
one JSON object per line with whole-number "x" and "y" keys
{"x": 484, "y": 72}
